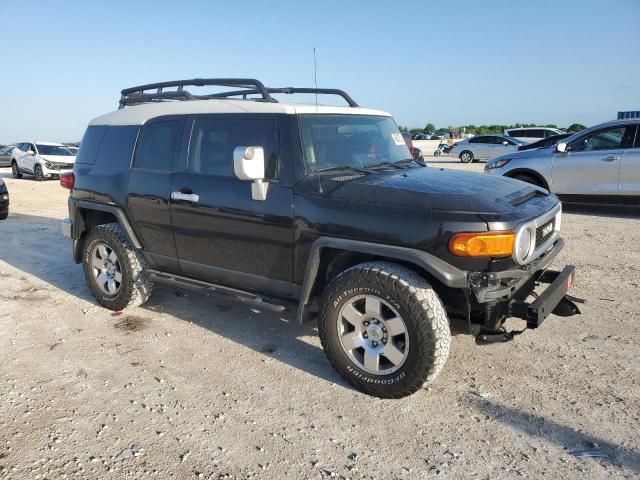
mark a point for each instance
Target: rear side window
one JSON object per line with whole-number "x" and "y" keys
{"x": 90, "y": 144}
{"x": 516, "y": 133}
{"x": 213, "y": 141}
{"x": 478, "y": 140}
{"x": 157, "y": 145}
{"x": 117, "y": 147}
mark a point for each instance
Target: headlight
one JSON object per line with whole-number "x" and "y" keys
{"x": 496, "y": 164}
{"x": 48, "y": 164}
{"x": 525, "y": 242}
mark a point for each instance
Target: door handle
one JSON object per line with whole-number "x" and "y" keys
{"x": 609, "y": 159}
{"x": 186, "y": 197}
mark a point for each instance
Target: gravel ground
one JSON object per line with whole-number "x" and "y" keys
{"x": 189, "y": 386}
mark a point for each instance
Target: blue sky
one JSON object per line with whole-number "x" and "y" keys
{"x": 477, "y": 62}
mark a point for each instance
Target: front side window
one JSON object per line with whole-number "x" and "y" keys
{"x": 214, "y": 140}
{"x": 53, "y": 150}
{"x": 351, "y": 141}
{"x": 611, "y": 138}
{"x": 157, "y": 145}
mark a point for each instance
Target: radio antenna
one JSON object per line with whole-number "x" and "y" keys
{"x": 315, "y": 75}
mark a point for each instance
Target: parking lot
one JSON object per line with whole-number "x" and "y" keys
{"x": 190, "y": 386}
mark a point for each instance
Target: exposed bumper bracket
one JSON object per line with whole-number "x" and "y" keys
{"x": 552, "y": 300}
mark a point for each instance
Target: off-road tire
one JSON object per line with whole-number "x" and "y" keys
{"x": 423, "y": 314}
{"x": 14, "y": 170}
{"x": 136, "y": 286}
{"x": 525, "y": 177}
{"x": 39, "y": 174}
{"x": 466, "y": 156}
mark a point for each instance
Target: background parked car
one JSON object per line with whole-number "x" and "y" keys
{"x": 5, "y": 155}
{"x": 4, "y": 200}
{"x": 547, "y": 142}
{"x": 422, "y": 136}
{"x": 41, "y": 159}
{"x": 532, "y": 134}
{"x": 599, "y": 164}
{"x": 484, "y": 147}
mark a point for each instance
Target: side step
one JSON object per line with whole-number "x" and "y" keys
{"x": 227, "y": 293}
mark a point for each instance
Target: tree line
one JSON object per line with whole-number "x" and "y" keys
{"x": 488, "y": 129}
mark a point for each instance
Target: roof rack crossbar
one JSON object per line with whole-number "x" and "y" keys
{"x": 134, "y": 95}
{"x": 289, "y": 91}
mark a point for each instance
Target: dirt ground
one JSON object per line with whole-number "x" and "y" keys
{"x": 189, "y": 386}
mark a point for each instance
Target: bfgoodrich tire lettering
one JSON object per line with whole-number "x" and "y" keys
{"x": 424, "y": 316}
{"x": 135, "y": 287}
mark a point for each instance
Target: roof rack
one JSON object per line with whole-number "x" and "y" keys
{"x": 289, "y": 91}
{"x": 249, "y": 86}
{"x": 135, "y": 95}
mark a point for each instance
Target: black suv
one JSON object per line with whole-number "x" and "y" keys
{"x": 311, "y": 207}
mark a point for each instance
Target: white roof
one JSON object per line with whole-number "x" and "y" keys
{"x": 53, "y": 144}
{"x": 139, "y": 114}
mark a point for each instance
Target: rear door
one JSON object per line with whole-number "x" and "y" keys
{"x": 479, "y": 147}
{"x": 591, "y": 165}
{"x": 630, "y": 168}
{"x": 221, "y": 234}
{"x": 149, "y": 188}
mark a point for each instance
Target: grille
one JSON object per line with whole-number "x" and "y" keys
{"x": 541, "y": 236}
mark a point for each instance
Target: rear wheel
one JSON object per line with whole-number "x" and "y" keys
{"x": 525, "y": 177}
{"x": 39, "y": 174}
{"x": 114, "y": 270}
{"x": 4, "y": 214}
{"x": 14, "y": 170}
{"x": 384, "y": 329}
{"x": 466, "y": 156}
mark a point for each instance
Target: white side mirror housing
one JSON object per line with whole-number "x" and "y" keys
{"x": 248, "y": 164}
{"x": 505, "y": 143}
{"x": 561, "y": 147}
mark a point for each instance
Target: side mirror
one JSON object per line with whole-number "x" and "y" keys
{"x": 248, "y": 164}
{"x": 561, "y": 147}
{"x": 505, "y": 143}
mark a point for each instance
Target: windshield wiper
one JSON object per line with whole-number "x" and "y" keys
{"x": 407, "y": 161}
{"x": 375, "y": 166}
{"x": 337, "y": 168}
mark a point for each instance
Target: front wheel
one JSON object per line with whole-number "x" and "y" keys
{"x": 14, "y": 170}
{"x": 115, "y": 271}
{"x": 466, "y": 156}
{"x": 39, "y": 174}
{"x": 384, "y": 329}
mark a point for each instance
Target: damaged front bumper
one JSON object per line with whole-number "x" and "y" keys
{"x": 504, "y": 294}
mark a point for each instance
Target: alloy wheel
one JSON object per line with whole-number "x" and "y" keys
{"x": 106, "y": 268}
{"x": 373, "y": 334}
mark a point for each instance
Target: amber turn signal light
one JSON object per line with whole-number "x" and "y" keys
{"x": 489, "y": 244}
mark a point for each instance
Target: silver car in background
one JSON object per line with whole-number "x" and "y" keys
{"x": 599, "y": 164}
{"x": 484, "y": 147}
{"x": 533, "y": 134}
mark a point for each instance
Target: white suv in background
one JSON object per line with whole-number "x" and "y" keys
{"x": 532, "y": 134}
{"x": 41, "y": 159}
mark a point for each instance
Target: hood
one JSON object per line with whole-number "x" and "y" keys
{"x": 436, "y": 189}
{"x": 531, "y": 153}
{"x": 59, "y": 158}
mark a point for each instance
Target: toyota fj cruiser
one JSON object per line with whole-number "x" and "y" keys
{"x": 320, "y": 207}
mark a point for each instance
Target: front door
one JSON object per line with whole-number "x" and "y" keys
{"x": 630, "y": 169}
{"x": 591, "y": 164}
{"x": 221, "y": 234}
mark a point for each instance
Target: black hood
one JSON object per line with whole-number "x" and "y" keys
{"x": 436, "y": 189}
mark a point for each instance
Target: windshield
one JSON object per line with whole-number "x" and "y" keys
{"x": 53, "y": 150}
{"x": 355, "y": 141}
